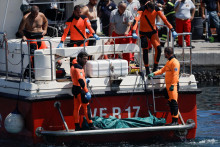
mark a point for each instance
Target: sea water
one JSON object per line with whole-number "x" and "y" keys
{"x": 208, "y": 127}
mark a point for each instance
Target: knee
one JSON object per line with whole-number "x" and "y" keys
{"x": 159, "y": 49}
{"x": 144, "y": 43}
{"x": 173, "y": 103}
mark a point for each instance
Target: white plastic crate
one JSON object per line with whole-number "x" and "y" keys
{"x": 101, "y": 68}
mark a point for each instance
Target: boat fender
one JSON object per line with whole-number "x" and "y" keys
{"x": 14, "y": 122}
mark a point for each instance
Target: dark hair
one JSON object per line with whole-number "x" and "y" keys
{"x": 143, "y": 2}
{"x": 77, "y": 6}
{"x": 168, "y": 50}
{"x": 34, "y": 8}
{"x": 82, "y": 54}
{"x": 151, "y": 5}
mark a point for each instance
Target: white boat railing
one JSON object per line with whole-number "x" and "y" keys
{"x": 29, "y": 59}
{"x": 5, "y": 40}
{"x": 118, "y": 37}
{"x": 183, "y": 49}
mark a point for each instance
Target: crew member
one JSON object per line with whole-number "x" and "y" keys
{"x": 33, "y": 26}
{"x": 172, "y": 69}
{"x": 147, "y": 15}
{"x": 77, "y": 25}
{"x": 80, "y": 91}
{"x": 90, "y": 11}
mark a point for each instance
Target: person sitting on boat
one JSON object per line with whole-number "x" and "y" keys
{"x": 34, "y": 26}
{"x": 147, "y": 15}
{"x": 80, "y": 91}
{"x": 172, "y": 69}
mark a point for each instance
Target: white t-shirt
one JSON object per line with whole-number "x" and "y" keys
{"x": 184, "y": 9}
{"x": 133, "y": 7}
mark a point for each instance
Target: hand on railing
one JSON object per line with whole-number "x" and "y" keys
{"x": 24, "y": 38}
{"x": 174, "y": 34}
{"x": 87, "y": 81}
{"x": 60, "y": 45}
{"x": 96, "y": 37}
{"x": 134, "y": 35}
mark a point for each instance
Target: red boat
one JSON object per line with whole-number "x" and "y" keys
{"x": 40, "y": 109}
{"x": 44, "y": 104}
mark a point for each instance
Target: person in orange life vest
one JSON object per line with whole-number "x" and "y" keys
{"x": 77, "y": 25}
{"x": 80, "y": 91}
{"x": 33, "y": 26}
{"x": 172, "y": 69}
{"x": 147, "y": 15}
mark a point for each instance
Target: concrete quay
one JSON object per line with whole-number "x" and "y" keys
{"x": 204, "y": 54}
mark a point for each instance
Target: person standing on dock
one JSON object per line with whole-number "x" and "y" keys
{"x": 104, "y": 9}
{"x": 147, "y": 15}
{"x": 185, "y": 10}
{"x": 80, "y": 91}
{"x": 213, "y": 10}
{"x": 172, "y": 69}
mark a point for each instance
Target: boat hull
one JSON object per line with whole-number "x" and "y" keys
{"x": 41, "y": 113}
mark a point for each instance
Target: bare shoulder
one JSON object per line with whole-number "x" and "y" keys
{"x": 42, "y": 14}
{"x": 85, "y": 9}
{"x": 26, "y": 15}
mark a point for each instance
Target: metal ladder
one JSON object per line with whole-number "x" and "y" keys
{"x": 182, "y": 61}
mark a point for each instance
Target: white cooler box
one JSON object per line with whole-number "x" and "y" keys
{"x": 101, "y": 68}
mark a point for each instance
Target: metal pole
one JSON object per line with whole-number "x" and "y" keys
{"x": 6, "y": 10}
{"x": 181, "y": 118}
{"x": 153, "y": 94}
{"x": 183, "y": 53}
{"x": 6, "y": 56}
{"x": 140, "y": 55}
{"x": 51, "y": 60}
{"x": 103, "y": 48}
{"x": 22, "y": 62}
{"x": 30, "y": 80}
{"x": 114, "y": 48}
{"x": 172, "y": 43}
{"x": 57, "y": 105}
{"x": 190, "y": 54}
{"x": 168, "y": 36}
